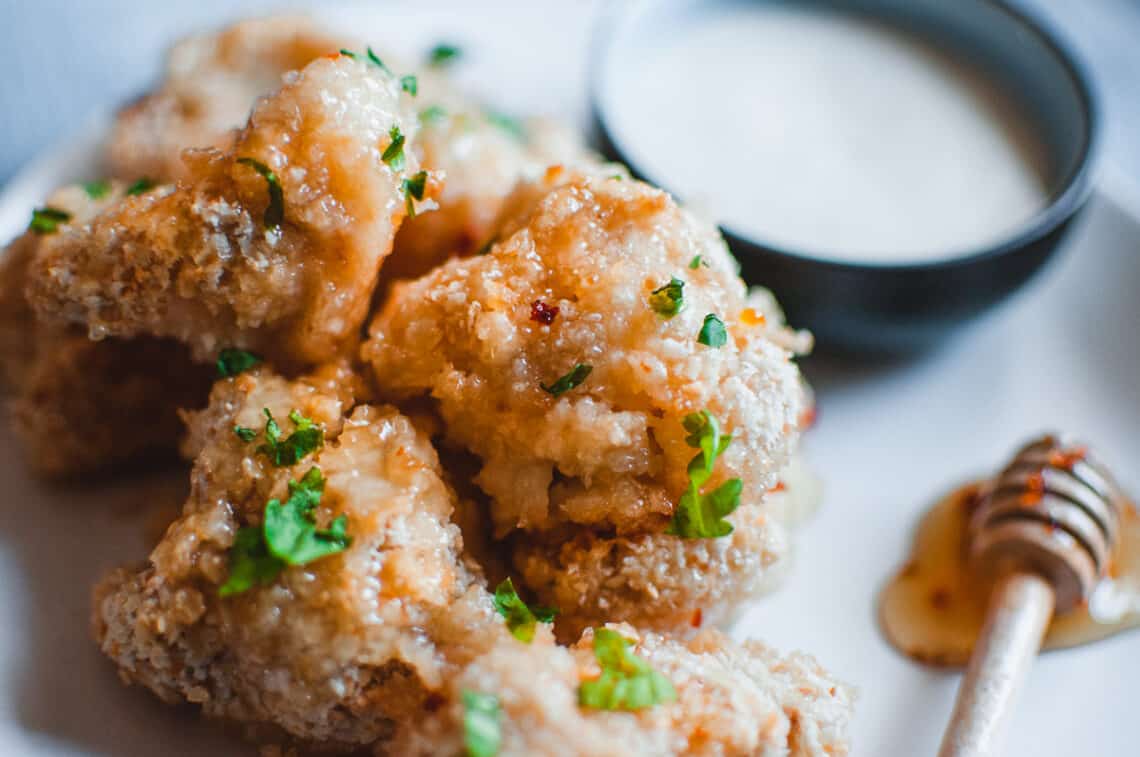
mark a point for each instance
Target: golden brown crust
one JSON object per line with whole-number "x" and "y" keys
{"x": 211, "y": 82}
{"x": 79, "y": 406}
{"x": 195, "y": 261}
{"x": 611, "y": 453}
{"x": 732, "y": 701}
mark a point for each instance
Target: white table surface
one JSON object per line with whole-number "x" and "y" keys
{"x": 891, "y": 437}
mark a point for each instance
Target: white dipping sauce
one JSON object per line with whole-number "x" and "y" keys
{"x": 825, "y": 133}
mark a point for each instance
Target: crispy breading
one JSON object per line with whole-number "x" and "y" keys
{"x": 212, "y": 80}
{"x": 732, "y": 701}
{"x": 333, "y": 651}
{"x": 80, "y": 406}
{"x": 611, "y": 453}
{"x": 483, "y": 155}
{"x": 210, "y": 83}
{"x": 367, "y": 644}
{"x": 200, "y": 262}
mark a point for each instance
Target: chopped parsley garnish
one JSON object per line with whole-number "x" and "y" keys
{"x": 701, "y": 516}
{"x": 410, "y": 84}
{"x": 414, "y": 190}
{"x": 507, "y": 123}
{"x": 443, "y": 54}
{"x": 432, "y": 114}
{"x": 627, "y": 681}
{"x": 275, "y": 211}
{"x": 291, "y": 533}
{"x": 142, "y": 186}
{"x": 307, "y": 437}
{"x": 572, "y": 379}
{"x": 97, "y": 190}
{"x": 521, "y": 620}
{"x": 46, "y": 220}
{"x": 481, "y": 733}
{"x": 289, "y": 536}
{"x": 697, "y": 262}
{"x": 231, "y": 362}
{"x": 712, "y": 333}
{"x": 668, "y": 300}
{"x": 372, "y": 58}
{"x": 393, "y": 154}
{"x": 245, "y": 433}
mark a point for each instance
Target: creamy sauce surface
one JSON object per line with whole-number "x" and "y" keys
{"x": 826, "y": 134}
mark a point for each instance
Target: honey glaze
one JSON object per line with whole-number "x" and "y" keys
{"x": 932, "y": 610}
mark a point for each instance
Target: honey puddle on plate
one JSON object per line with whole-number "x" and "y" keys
{"x": 933, "y": 609}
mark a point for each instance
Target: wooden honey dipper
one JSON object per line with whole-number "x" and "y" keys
{"x": 1045, "y": 530}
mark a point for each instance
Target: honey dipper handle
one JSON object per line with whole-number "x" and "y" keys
{"x": 1019, "y": 612}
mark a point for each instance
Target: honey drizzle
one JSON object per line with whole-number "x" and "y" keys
{"x": 933, "y": 608}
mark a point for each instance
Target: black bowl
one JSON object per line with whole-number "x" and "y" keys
{"x": 905, "y": 307}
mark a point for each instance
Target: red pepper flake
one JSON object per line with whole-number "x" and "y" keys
{"x": 940, "y": 599}
{"x": 779, "y": 487}
{"x": 809, "y": 417}
{"x": 697, "y": 619}
{"x": 1034, "y": 489}
{"x": 1067, "y": 458}
{"x": 542, "y": 313}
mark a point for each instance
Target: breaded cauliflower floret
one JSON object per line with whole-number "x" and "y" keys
{"x": 80, "y": 406}
{"x": 732, "y": 700}
{"x": 207, "y": 261}
{"x": 571, "y": 283}
{"x": 483, "y": 155}
{"x": 331, "y": 651}
{"x": 213, "y": 79}
{"x": 210, "y": 85}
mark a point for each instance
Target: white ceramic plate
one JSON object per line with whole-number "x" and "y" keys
{"x": 1064, "y": 354}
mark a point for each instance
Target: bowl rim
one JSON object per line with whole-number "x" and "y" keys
{"x": 1072, "y": 193}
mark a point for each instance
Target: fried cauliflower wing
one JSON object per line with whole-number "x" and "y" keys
{"x": 732, "y": 700}
{"x": 79, "y": 406}
{"x": 572, "y": 283}
{"x": 210, "y": 85}
{"x": 272, "y": 245}
{"x": 333, "y": 651}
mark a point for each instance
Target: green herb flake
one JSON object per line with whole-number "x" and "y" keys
{"x": 250, "y": 563}
{"x": 443, "y": 55}
{"x": 245, "y": 433}
{"x": 97, "y": 190}
{"x": 697, "y": 262}
{"x": 521, "y": 620}
{"x": 289, "y": 536}
{"x": 668, "y": 300}
{"x": 510, "y": 125}
{"x": 712, "y": 333}
{"x": 433, "y": 114}
{"x": 374, "y": 59}
{"x": 46, "y": 220}
{"x": 482, "y": 735}
{"x": 142, "y": 186}
{"x": 275, "y": 211}
{"x": 307, "y": 437}
{"x": 701, "y": 516}
{"x": 393, "y": 154}
{"x": 627, "y": 681}
{"x": 572, "y": 379}
{"x": 410, "y": 84}
{"x": 231, "y": 362}
{"x": 291, "y": 533}
{"x": 414, "y": 191}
